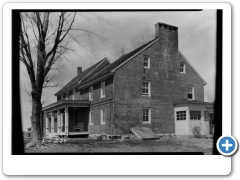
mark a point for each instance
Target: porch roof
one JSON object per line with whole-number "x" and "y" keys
{"x": 69, "y": 103}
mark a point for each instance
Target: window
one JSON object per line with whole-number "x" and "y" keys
{"x": 70, "y": 95}
{"x": 206, "y": 114}
{"x": 59, "y": 98}
{"x": 102, "y": 116}
{"x": 91, "y": 118}
{"x": 91, "y": 94}
{"x": 146, "y": 116}
{"x": 74, "y": 92}
{"x": 182, "y": 68}
{"x": 195, "y": 115}
{"x": 103, "y": 89}
{"x": 146, "y": 88}
{"x": 146, "y": 62}
{"x": 64, "y": 96}
{"x": 191, "y": 92}
{"x": 181, "y": 115}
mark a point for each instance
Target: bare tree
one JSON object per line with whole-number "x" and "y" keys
{"x": 119, "y": 49}
{"x": 143, "y": 36}
{"x": 44, "y": 40}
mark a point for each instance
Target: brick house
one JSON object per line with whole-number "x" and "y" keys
{"x": 152, "y": 86}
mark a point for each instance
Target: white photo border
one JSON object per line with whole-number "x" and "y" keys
{"x": 123, "y": 164}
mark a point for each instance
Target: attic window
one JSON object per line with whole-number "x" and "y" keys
{"x": 182, "y": 68}
{"x": 146, "y": 62}
{"x": 191, "y": 92}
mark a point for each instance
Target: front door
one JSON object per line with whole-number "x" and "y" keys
{"x": 211, "y": 122}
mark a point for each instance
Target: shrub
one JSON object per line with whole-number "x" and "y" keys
{"x": 196, "y": 131}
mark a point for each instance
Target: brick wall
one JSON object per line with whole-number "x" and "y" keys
{"x": 97, "y": 92}
{"x": 167, "y": 86}
{"x": 97, "y": 127}
{"x": 99, "y": 103}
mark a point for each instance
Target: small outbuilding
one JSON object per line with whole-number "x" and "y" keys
{"x": 192, "y": 118}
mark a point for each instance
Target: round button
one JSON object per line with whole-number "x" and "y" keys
{"x": 227, "y": 145}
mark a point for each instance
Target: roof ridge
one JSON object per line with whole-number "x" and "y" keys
{"x": 79, "y": 75}
{"x": 136, "y": 49}
{"x": 120, "y": 61}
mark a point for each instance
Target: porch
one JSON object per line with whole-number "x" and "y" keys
{"x": 190, "y": 116}
{"x": 66, "y": 117}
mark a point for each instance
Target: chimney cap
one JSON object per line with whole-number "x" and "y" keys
{"x": 168, "y": 25}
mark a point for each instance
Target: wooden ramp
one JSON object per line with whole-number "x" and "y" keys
{"x": 144, "y": 133}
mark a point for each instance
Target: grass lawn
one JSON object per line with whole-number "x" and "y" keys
{"x": 85, "y": 145}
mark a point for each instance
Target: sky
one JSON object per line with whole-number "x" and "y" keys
{"x": 196, "y": 38}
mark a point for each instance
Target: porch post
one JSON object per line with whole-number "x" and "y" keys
{"x": 59, "y": 120}
{"x": 46, "y": 123}
{"x": 52, "y": 123}
{"x": 66, "y": 120}
{"x": 61, "y": 116}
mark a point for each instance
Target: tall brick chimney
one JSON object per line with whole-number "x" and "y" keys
{"x": 167, "y": 34}
{"x": 79, "y": 70}
{"x": 168, "y": 47}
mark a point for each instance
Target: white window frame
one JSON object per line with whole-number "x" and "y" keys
{"x": 149, "y": 88}
{"x": 179, "y": 116}
{"x": 194, "y": 113}
{"x": 193, "y": 95}
{"x": 103, "y": 89}
{"x": 148, "y": 62}
{"x": 103, "y": 116}
{"x": 184, "y": 68}
{"x": 91, "y": 118}
{"x": 91, "y": 93}
{"x": 149, "y": 116}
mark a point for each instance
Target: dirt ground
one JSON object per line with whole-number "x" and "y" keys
{"x": 86, "y": 145}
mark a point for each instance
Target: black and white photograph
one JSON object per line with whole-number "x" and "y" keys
{"x": 111, "y": 89}
{"x": 117, "y": 81}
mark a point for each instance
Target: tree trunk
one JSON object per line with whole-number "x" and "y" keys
{"x": 36, "y": 129}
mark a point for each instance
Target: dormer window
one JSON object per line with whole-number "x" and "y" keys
{"x": 146, "y": 62}
{"x": 182, "y": 68}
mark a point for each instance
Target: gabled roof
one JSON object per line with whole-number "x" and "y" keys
{"x": 120, "y": 61}
{"x": 89, "y": 71}
{"x": 204, "y": 82}
{"x": 93, "y": 73}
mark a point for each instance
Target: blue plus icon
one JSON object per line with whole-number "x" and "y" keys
{"x": 227, "y": 145}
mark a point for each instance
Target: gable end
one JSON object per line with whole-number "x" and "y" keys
{"x": 204, "y": 82}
